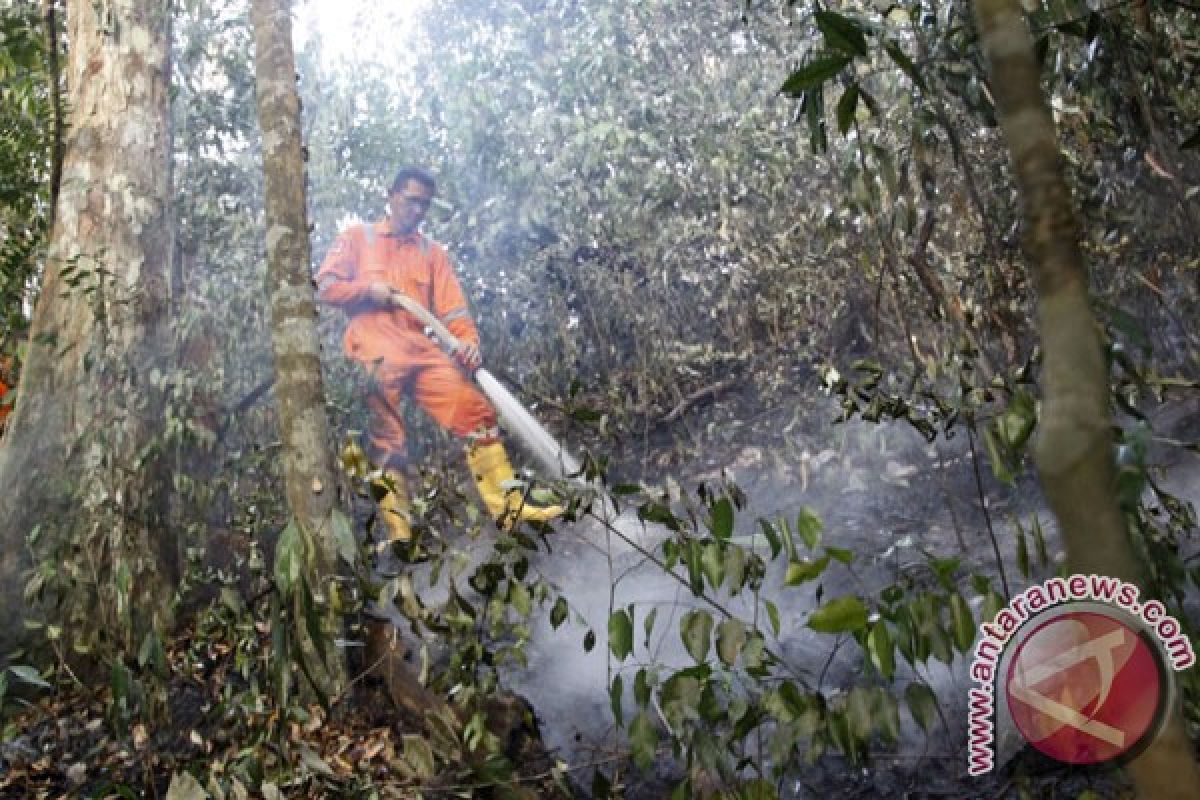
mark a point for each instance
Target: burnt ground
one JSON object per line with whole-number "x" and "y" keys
{"x": 893, "y": 499}
{"x": 882, "y": 492}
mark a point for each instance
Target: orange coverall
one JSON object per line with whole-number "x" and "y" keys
{"x": 5, "y": 403}
{"x": 391, "y": 344}
{"x": 7, "y": 389}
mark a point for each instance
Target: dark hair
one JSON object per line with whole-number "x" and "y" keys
{"x": 417, "y": 174}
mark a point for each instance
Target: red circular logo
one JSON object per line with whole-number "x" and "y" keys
{"x": 1085, "y": 688}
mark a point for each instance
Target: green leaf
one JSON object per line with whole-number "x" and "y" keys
{"x": 289, "y": 558}
{"x": 731, "y": 635}
{"x": 962, "y": 623}
{"x": 1018, "y": 420}
{"x": 29, "y": 675}
{"x": 312, "y": 624}
{"x": 620, "y": 635}
{"x": 840, "y": 615}
{"x": 772, "y": 537}
{"x": 888, "y": 714}
{"x": 809, "y": 526}
{"x": 735, "y": 568}
{"x": 881, "y": 649}
{"x": 615, "y": 693}
{"x": 772, "y": 616}
{"x": 696, "y": 630}
{"x": 151, "y": 652}
{"x": 418, "y": 756}
{"x": 860, "y": 712}
{"x": 641, "y": 688}
{"x": 648, "y": 624}
{"x": 643, "y": 738}
{"x": 906, "y": 636}
{"x": 518, "y": 596}
{"x": 842, "y": 738}
{"x": 904, "y": 63}
{"x": 693, "y": 555}
{"x": 589, "y": 641}
{"x": 842, "y": 33}
{"x": 656, "y": 512}
{"x": 923, "y": 704}
{"x": 1022, "y": 551}
{"x": 558, "y": 614}
{"x": 846, "y": 107}
{"x": 721, "y": 523}
{"x": 757, "y": 789}
{"x": 945, "y": 568}
{"x": 712, "y": 563}
{"x": 343, "y": 537}
{"x": 800, "y": 571}
{"x": 754, "y": 655}
{"x": 992, "y": 603}
{"x": 998, "y": 457}
{"x": 680, "y": 697}
{"x": 814, "y": 74}
{"x": 840, "y": 554}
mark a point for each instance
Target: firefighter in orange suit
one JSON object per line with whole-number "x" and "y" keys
{"x": 5, "y": 403}
{"x": 8, "y": 391}
{"x": 361, "y": 274}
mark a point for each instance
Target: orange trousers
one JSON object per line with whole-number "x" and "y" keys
{"x": 413, "y": 365}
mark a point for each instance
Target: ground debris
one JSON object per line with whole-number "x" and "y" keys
{"x": 210, "y": 742}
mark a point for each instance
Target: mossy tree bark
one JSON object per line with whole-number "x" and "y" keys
{"x": 1074, "y": 452}
{"x": 307, "y": 459}
{"x": 80, "y": 458}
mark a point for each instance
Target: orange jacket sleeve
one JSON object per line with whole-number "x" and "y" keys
{"x": 449, "y": 302}
{"x": 338, "y": 282}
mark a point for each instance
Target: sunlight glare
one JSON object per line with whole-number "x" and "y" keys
{"x": 357, "y": 31}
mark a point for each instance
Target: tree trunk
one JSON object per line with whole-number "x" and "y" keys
{"x": 1075, "y": 447}
{"x": 78, "y": 458}
{"x": 54, "y": 81}
{"x": 307, "y": 459}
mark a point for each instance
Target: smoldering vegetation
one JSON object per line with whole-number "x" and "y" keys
{"x": 761, "y": 268}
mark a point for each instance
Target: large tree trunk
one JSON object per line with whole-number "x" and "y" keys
{"x": 307, "y": 456}
{"x": 1075, "y": 446}
{"x": 74, "y": 459}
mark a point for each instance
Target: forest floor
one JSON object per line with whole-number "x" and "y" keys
{"x": 882, "y": 492}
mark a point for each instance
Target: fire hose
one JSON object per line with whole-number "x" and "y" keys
{"x": 551, "y": 456}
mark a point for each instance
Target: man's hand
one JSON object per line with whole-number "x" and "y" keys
{"x": 468, "y": 355}
{"x": 380, "y": 294}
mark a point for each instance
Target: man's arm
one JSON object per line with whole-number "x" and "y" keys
{"x": 449, "y": 302}
{"x": 450, "y": 306}
{"x": 338, "y": 282}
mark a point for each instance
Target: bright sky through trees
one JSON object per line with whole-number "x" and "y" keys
{"x": 357, "y": 30}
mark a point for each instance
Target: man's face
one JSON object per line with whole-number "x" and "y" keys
{"x": 409, "y": 205}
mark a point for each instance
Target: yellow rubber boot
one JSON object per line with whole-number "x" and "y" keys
{"x": 393, "y": 506}
{"x": 491, "y": 469}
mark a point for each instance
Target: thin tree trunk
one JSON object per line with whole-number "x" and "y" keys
{"x": 78, "y": 459}
{"x": 307, "y": 458}
{"x": 1075, "y": 447}
{"x": 54, "y": 85}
